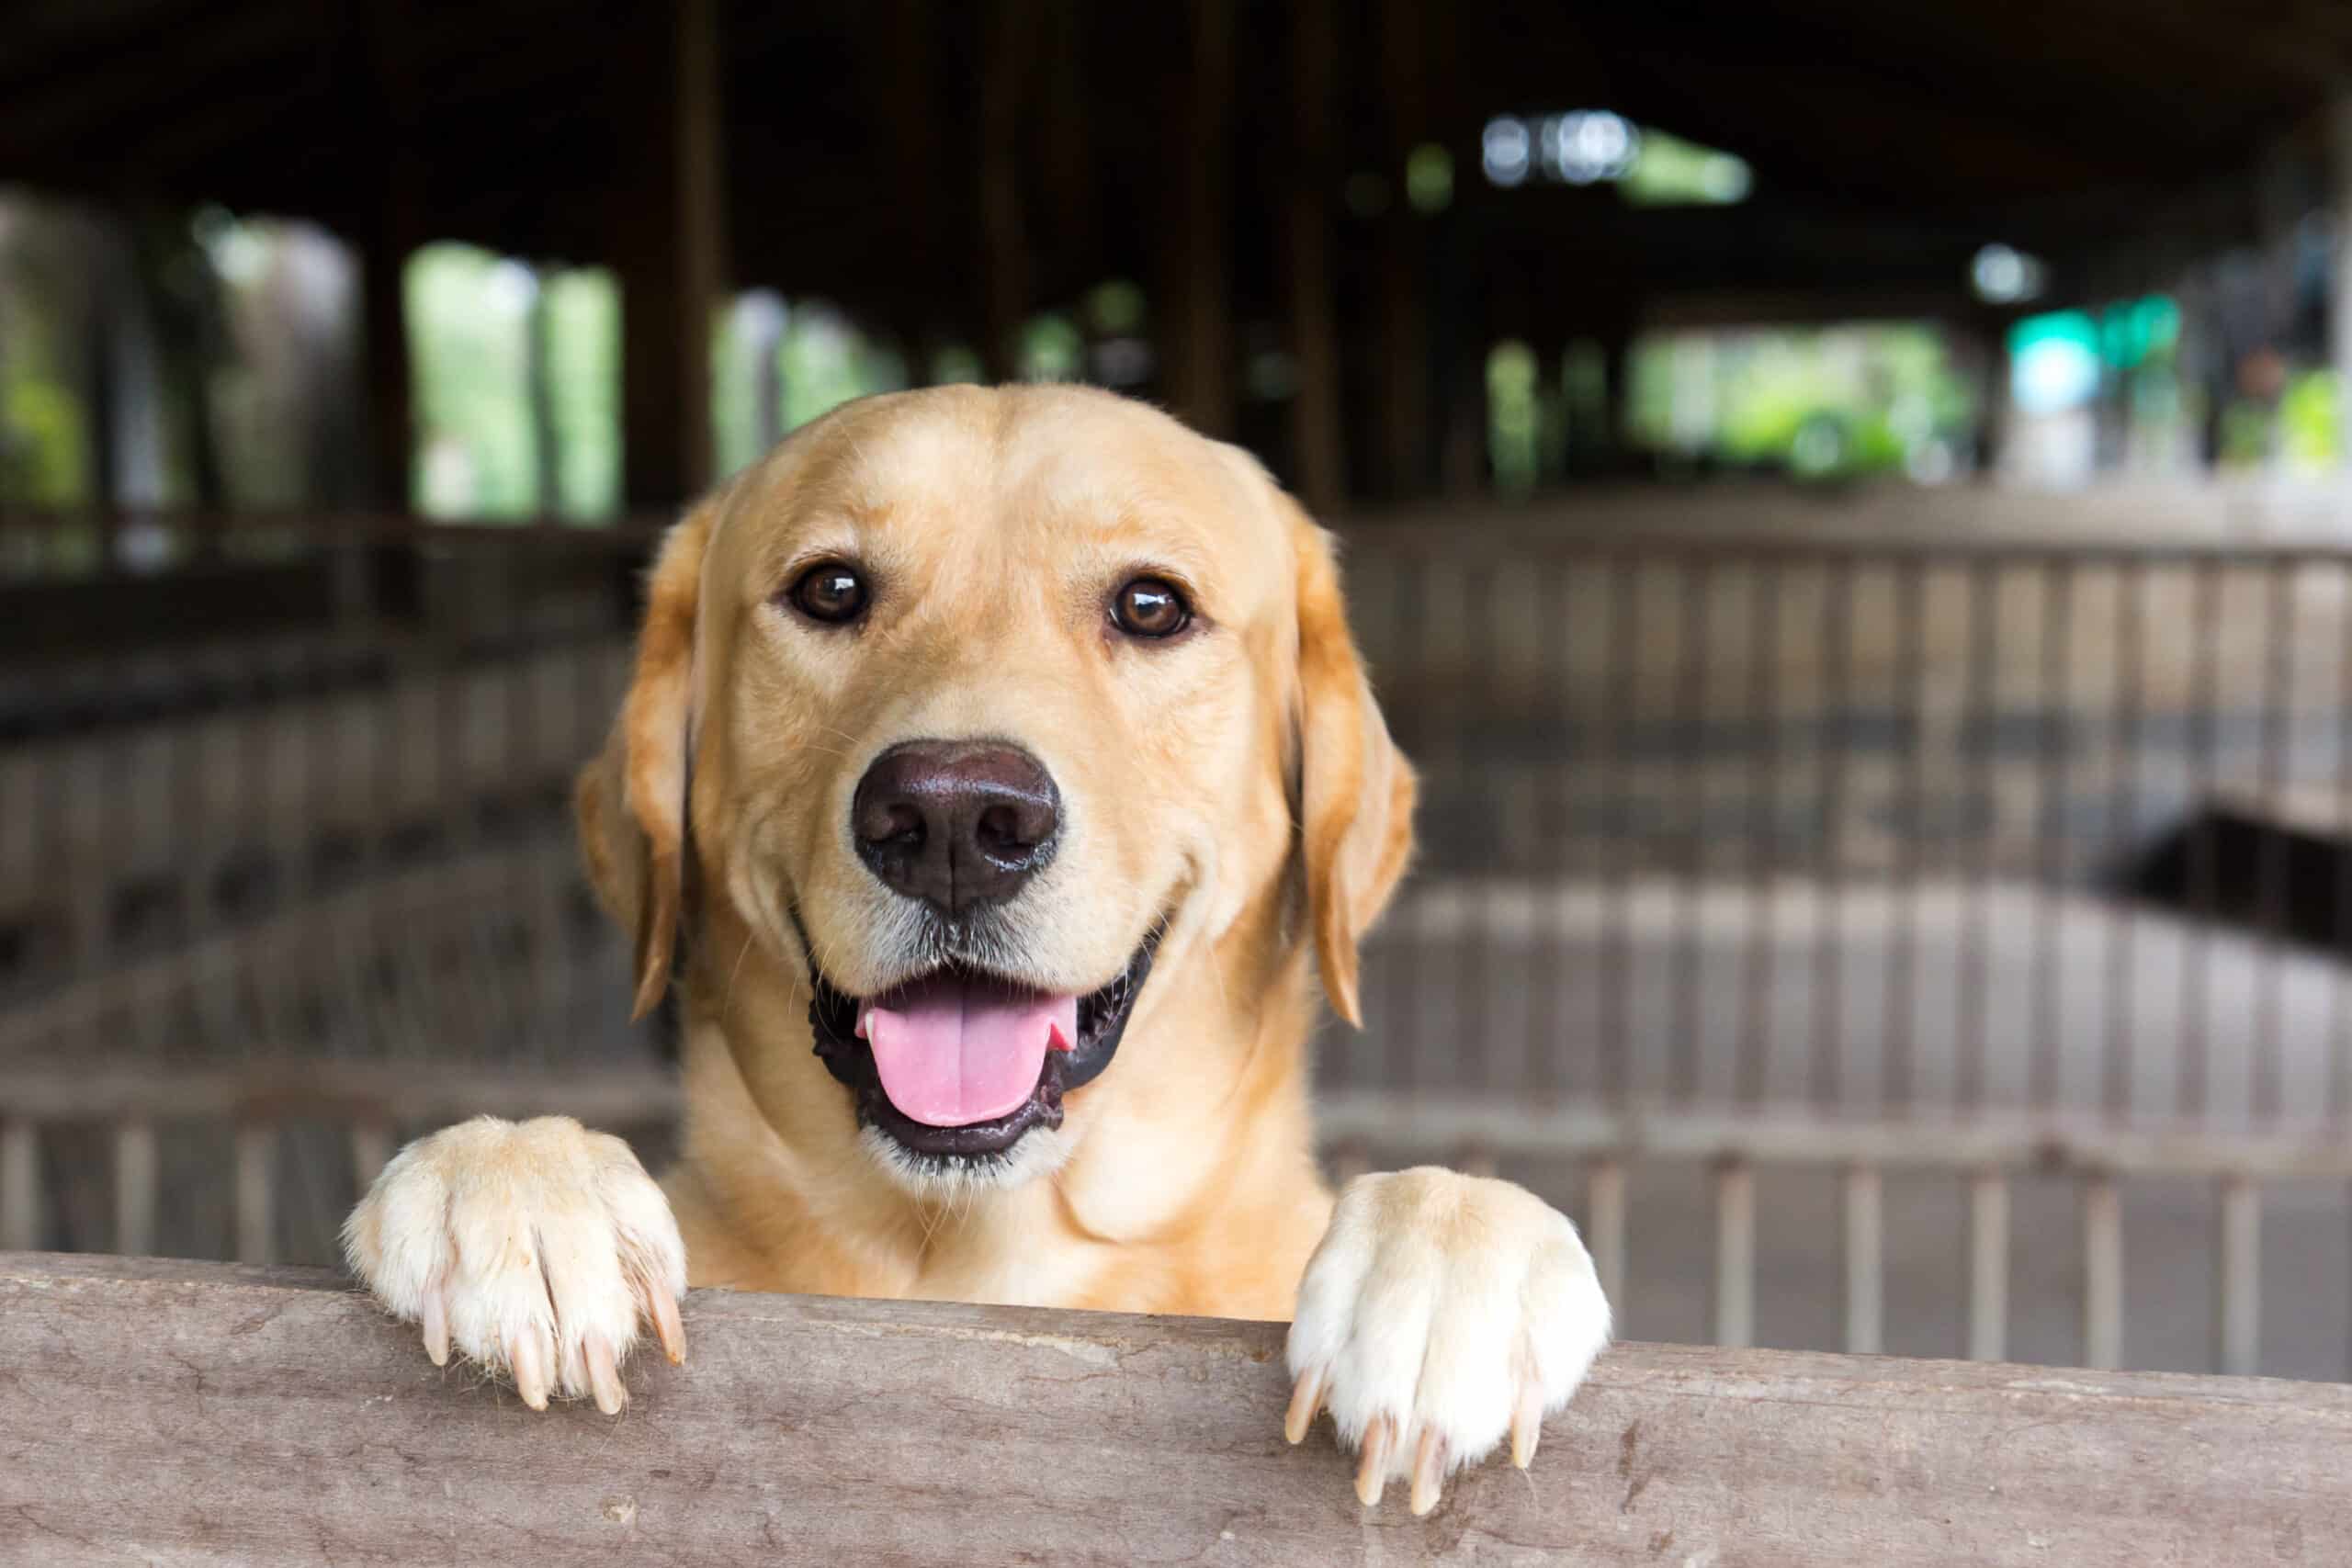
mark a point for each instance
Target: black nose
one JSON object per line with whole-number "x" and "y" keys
{"x": 955, "y": 823}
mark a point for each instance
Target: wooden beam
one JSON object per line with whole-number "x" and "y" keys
{"x": 275, "y": 1416}
{"x": 1402, "y": 239}
{"x": 2339, "y": 195}
{"x": 669, "y": 237}
{"x": 385, "y": 39}
{"x": 1008, "y": 45}
{"x": 1318, "y": 447}
{"x": 1195, "y": 317}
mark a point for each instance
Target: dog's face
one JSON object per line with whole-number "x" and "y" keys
{"x": 994, "y": 701}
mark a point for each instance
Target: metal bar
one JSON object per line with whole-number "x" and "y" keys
{"x": 2339, "y": 1031}
{"x": 1616, "y": 940}
{"x": 2237, "y": 1320}
{"x": 2052, "y": 775}
{"x": 2195, "y": 1006}
{"x": 1604, "y": 1233}
{"x": 1735, "y": 1255}
{"x": 1865, "y": 1260}
{"x": 1974, "y": 842}
{"x": 1473, "y": 616}
{"x": 21, "y": 1202}
{"x": 2102, "y": 1272}
{"x": 1988, "y": 1266}
{"x": 630, "y": 536}
{"x": 1828, "y": 1063}
{"x": 1900, "y": 1021}
{"x": 1551, "y": 1049}
{"x": 135, "y": 1165}
{"x": 2129, "y": 742}
{"x": 1433, "y": 1126}
{"x": 1421, "y": 1125}
{"x": 256, "y": 1189}
{"x": 2269, "y": 1092}
{"x": 1348, "y": 1162}
{"x": 1759, "y": 971}
{"x": 1692, "y": 653}
{"x": 371, "y": 1151}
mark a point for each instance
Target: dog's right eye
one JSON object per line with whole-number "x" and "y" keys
{"x": 831, "y": 591}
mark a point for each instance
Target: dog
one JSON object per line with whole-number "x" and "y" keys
{"x": 997, "y": 775}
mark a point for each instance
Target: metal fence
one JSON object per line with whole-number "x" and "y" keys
{"x": 1803, "y": 915}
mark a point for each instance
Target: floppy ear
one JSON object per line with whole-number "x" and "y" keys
{"x": 631, "y": 801}
{"x": 1355, "y": 788}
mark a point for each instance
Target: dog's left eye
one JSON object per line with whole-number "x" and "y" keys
{"x": 829, "y": 591}
{"x": 1151, "y": 607}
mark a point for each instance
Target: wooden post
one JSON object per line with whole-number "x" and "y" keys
{"x": 1314, "y": 411}
{"x": 394, "y": 230}
{"x": 2339, "y": 300}
{"x": 1007, "y": 48}
{"x": 668, "y": 236}
{"x": 905, "y": 60}
{"x": 1404, "y": 323}
{"x": 1195, "y": 324}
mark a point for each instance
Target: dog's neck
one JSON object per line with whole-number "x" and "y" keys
{"x": 1203, "y": 1109}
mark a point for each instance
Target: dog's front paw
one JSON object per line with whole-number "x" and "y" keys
{"x": 1440, "y": 1312}
{"x": 533, "y": 1249}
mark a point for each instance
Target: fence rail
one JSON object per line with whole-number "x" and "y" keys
{"x": 376, "y": 1104}
{"x": 275, "y": 1416}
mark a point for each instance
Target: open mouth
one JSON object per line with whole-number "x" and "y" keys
{"x": 962, "y": 1062}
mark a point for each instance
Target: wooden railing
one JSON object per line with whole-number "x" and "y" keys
{"x": 375, "y": 1104}
{"x": 177, "y": 1412}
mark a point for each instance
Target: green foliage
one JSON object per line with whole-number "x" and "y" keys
{"x": 2310, "y": 423}
{"x": 742, "y": 342}
{"x": 1429, "y": 179}
{"x": 469, "y": 344}
{"x": 474, "y": 319}
{"x": 1834, "y": 403}
{"x": 956, "y": 364}
{"x": 46, "y": 459}
{"x": 825, "y": 362}
{"x": 1115, "y": 308}
{"x": 1052, "y": 349}
{"x": 1514, "y": 418}
{"x": 44, "y": 441}
{"x": 1669, "y": 172}
{"x": 580, "y": 321}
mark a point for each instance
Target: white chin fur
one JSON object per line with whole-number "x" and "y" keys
{"x": 1040, "y": 1152}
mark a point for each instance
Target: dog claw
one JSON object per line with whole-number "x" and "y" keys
{"x": 529, "y": 1365}
{"x": 1371, "y": 1474}
{"x": 666, "y": 1327}
{"x": 604, "y": 1379}
{"x": 1429, "y": 1470}
{"x": 436, "y": 1318}
{"x": 1526, "y": 1424}
{"x": 1305, "y": 1404}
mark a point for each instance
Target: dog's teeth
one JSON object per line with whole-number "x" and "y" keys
{"x": 865, "y": 1015}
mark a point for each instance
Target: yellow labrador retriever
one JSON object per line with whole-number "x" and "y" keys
{"x": 996, "y": 765}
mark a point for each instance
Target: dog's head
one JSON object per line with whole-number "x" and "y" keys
{"x": 968, "y": 709}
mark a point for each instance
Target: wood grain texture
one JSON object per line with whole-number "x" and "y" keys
{"x": 180, "y": 1413}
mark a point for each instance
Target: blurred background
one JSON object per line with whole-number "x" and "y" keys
{"x": 1846, "y": 504}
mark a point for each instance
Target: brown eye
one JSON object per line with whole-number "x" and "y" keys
{"x": 831, "y": 592}
{"x": 1150, "y": 607}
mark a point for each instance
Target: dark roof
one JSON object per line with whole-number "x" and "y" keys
{"x": 1887, "y": 139}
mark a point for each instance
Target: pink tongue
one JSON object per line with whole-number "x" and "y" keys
{"x": 952, "y": 1052}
